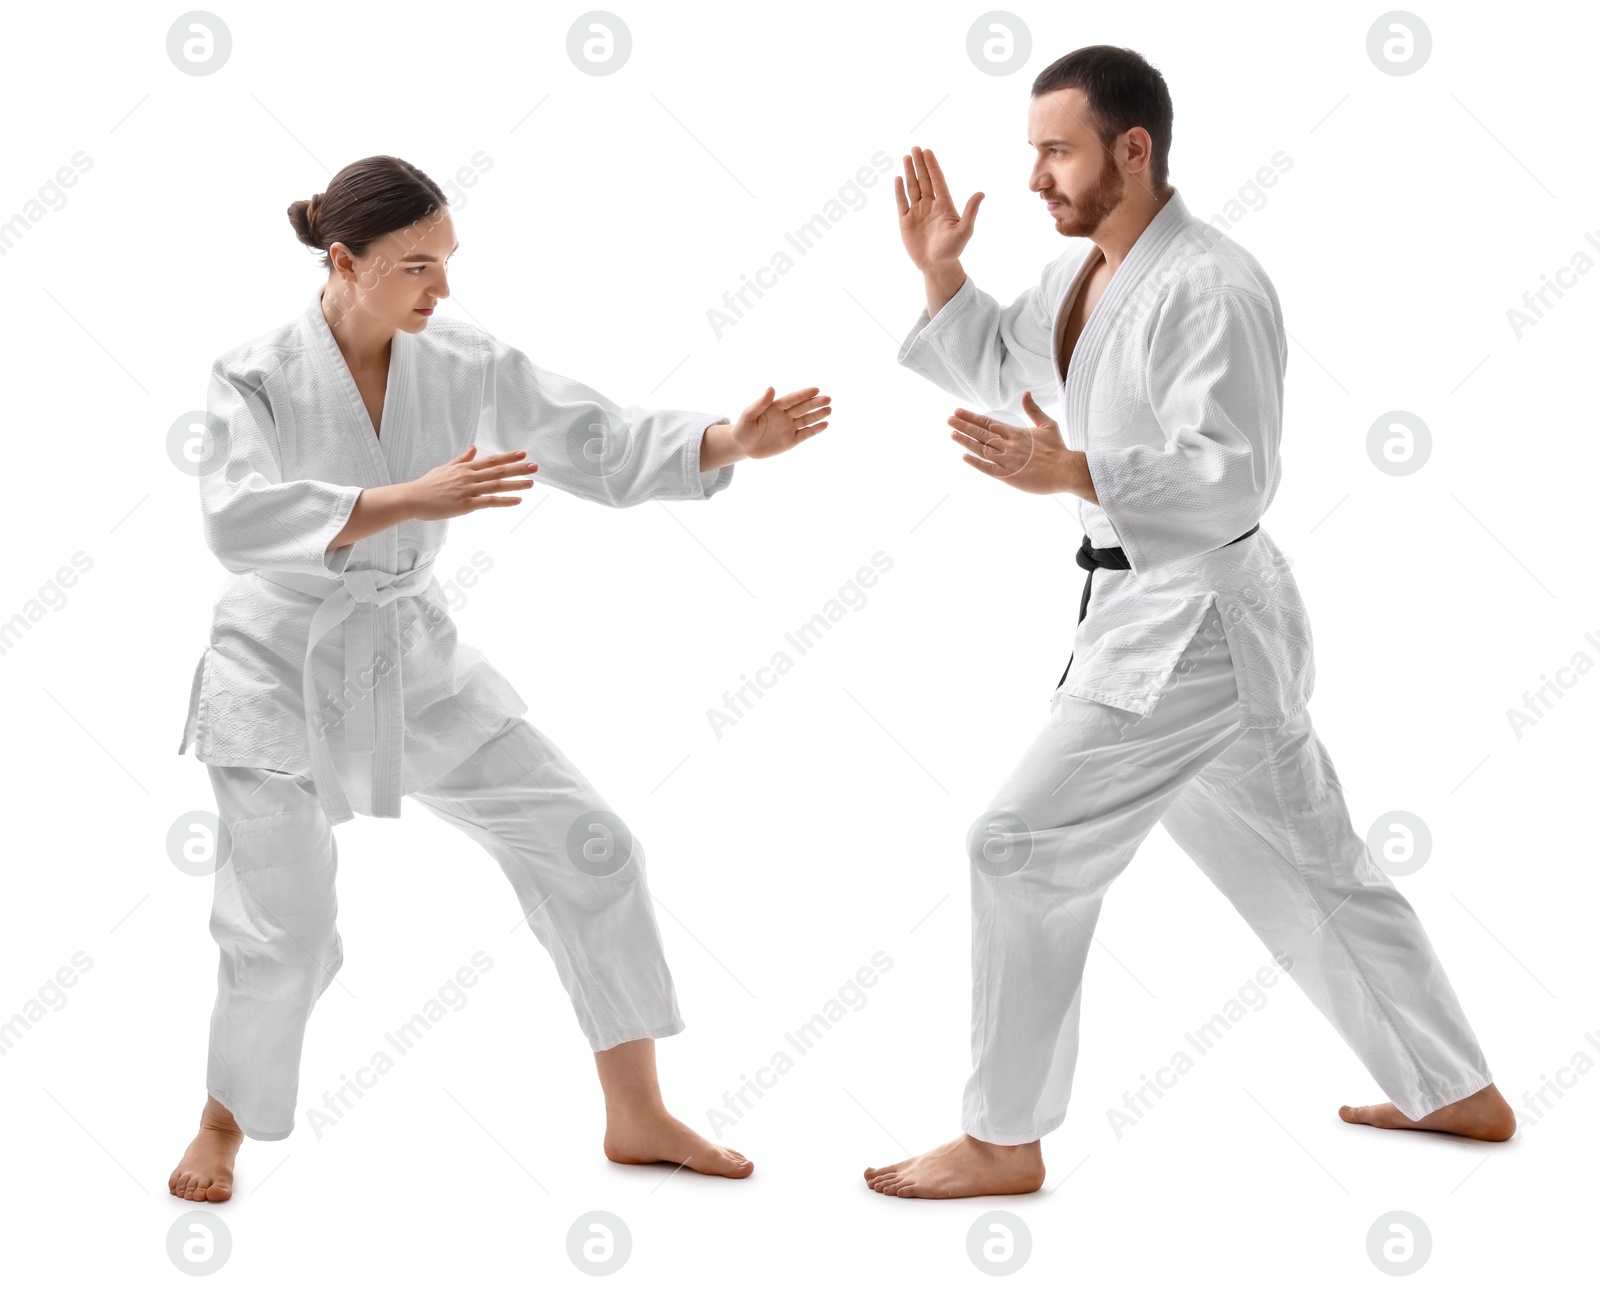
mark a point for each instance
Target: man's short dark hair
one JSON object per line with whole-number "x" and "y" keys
{"x": 1123, "y": 91}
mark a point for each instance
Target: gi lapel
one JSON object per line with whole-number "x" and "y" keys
{"x": 330, "y": 359}
{"x": 1123, "y": 288}
{"x": 375, "y": 720}
{"x": 1064, "y": 306}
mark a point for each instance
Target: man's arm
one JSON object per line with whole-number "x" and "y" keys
{"x": 940, "y": 282}
{"x": 964, "y": 342}
{"x": 981, "y": 351}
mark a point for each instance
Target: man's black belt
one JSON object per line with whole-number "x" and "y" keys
{"x": 1092, "y": 557}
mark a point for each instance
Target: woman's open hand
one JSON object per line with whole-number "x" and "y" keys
{"x": 771, "y": 425}
{"x": 469, "y": 483}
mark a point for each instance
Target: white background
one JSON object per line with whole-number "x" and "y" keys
{"x": 829, "y": 823}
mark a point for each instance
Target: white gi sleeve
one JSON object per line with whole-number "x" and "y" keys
{"x": 1214, "y": 380}
{"x": 986, "y": 354}
{"x": 587, "y": 445}
{"x": 253, "y": 517}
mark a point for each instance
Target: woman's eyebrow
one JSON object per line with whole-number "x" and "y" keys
{"x": 431, "y": 259}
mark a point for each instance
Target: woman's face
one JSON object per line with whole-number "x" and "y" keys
{"x": 402, "y": 275}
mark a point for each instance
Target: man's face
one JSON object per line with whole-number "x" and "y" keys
{"x": 1074, "y": 172}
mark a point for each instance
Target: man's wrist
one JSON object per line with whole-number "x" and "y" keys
{"x": 941, "y": 282}
{"x": 1075, "y": 475}
{"x": 1085, "y": 479}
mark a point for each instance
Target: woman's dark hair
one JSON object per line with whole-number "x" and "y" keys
{"x": 365, "y": 200}
{"x": 1123, "y": 91}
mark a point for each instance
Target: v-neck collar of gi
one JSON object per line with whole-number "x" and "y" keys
{"x": 1172, "y": 216}
{"x": 381, "y": 445}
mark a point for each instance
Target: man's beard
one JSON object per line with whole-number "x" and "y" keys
{"x": 1088, "y": 212}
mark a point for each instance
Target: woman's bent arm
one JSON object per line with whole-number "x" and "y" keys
{"x": 467, "y": 483}
{"x": 375, "y": 510}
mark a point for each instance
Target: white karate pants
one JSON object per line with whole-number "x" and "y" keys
{"x": 273, "y": 910}
{"x": 1261, "y": 812}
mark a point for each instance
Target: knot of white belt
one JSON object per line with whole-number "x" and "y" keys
{"x": 375, "y": 720}
{"x": 371, "y": 586}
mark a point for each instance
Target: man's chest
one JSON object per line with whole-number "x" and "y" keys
{"x": 1079, "y": 305}
{"x": 1100, "y": 353}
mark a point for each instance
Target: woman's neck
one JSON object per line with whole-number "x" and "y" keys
{"x": 364, "y": 341}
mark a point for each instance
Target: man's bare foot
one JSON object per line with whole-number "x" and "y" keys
{"x": 638, "y": 1135}
{"x": 1484, "y": 1116}
{"x": 205, "y": 1173}
{"x": 963, "y": 1167}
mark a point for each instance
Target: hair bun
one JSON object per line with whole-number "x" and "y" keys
{"x": 365, "y": 201}
{"x": 303, "y": 217}
{"x": 313, "y": 212}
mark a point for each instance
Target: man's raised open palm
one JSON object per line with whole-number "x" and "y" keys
{"x": 930, "y": 228}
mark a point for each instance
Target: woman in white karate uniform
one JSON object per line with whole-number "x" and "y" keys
{"x": 338, "y": 446}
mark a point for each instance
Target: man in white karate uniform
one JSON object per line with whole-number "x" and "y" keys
{"x": 1184, "y": 699}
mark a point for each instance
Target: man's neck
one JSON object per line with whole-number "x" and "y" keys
{"x": 1124, "y": 226}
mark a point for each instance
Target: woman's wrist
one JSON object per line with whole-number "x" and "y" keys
{"x": 718, "y": 447}
{"x": 400, "y": 501}
{"x": 376, "y": 509}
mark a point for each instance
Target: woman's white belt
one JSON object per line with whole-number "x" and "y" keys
{"x": 363, "y": 599}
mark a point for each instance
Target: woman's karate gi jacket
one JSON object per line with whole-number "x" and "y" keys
{"x": 316, "y": 658}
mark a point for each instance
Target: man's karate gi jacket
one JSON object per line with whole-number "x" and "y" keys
{"x": 1175, "y": 394}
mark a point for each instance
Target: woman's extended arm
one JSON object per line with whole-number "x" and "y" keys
{"x": 592, "y": 447}
{"x": 770, "y": 425}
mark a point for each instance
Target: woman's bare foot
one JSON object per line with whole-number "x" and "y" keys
{"x": 963, "y": 1167}
{"x": 1484, "y": 1116}
{"x": 638, "y": 1128}
{"x": 205, "y": 1173}
{"x": 651, "y": 1136}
